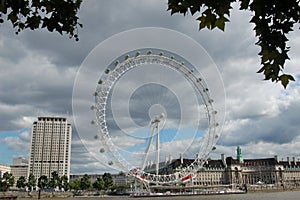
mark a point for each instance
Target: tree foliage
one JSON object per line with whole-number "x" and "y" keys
{"x": 21, "y": 182}
{"x": 98, "y": 184}
{"x": 31, "y": 182}
{"x": 54, "y": 15}
{"x": 43, "y": 182}
{"x": 64, "y": 183}
{"x": 85, "y": 182}
{"x": 55, "y": 180}
{"x": 272, "y": 20}
{"x": 6, "y": 181}
{"x": 75, "y": 185}
{"x": 108, "y": 181}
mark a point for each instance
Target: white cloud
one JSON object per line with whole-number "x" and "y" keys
{"x": 16, "y": 143}
{"x": 262, "y": 149}
{"x": 25, "y": 135}
{"x": 25, "y": 121}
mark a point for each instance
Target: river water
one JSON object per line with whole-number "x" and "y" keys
{"x": 288, "y": 195}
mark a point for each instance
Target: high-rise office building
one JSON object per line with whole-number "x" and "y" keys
{"x": 50, "y": 147}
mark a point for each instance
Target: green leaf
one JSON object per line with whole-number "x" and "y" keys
{"x": 202, "y": 22}
{"x": 285, "y": 78}
{"x": 261, "y": 69}
{"x": 244, "y": 4}
{"x": 194, "y": 9}
{"x": 21, "y": 26}
{"x": 220, "y": 22}
{"x": 3, "y": 8}
{"x": 12, "y": 17}
{"x": 290, "y": 77}
{"x": 48, "y": 8}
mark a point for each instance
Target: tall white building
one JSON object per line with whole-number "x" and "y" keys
{"x": 50, "y": 147}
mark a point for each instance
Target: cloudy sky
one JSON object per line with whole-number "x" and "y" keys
{"x": 39, "y": 69}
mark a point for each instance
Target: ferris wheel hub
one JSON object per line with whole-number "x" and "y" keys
{"x": 158, "y": 118}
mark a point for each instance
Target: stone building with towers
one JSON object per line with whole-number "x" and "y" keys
{"x": 50, "y": 147}
{"x": 268, "y": 172}
{"x": 237, "y": 172}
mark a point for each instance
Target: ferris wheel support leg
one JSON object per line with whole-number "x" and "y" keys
{"x": 147, "y": 187}
{"x": 147, "y": 149}
{"x": 157, "y": 149}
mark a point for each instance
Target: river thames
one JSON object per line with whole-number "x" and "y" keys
{"x": 287, "y": 195}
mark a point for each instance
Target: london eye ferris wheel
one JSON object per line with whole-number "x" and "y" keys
{"x": 151, "y": 106}
{"x": 203, "y": 134}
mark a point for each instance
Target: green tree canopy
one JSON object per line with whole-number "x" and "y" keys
{"x": 54, "y": 15}
{"x": 85, "y": 182}
{"x": 31, "y": 182}
{"x": 108, "y": 181}
{"x": 98, "y": 184}
{"x": 75, "y": 185}
{"x": 43, "y": 182}
{"x": 21, "y": 182}
{"x": 6, "y": 181}
{"x": 64, "y": 183}
{"x": 273, "y": 20}
{"x": 55, "y": 180}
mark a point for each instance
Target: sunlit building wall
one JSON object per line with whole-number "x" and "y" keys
{"x": 50, "y": 147}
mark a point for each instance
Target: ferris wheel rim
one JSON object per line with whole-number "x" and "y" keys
{"x": 120, "y": 68}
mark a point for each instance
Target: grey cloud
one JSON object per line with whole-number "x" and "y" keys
{"x": 11, "y": 50}
{"x": 280, "y": 129}
{"x": 100, "y": 20}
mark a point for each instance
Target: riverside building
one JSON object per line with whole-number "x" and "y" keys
{"x": 19, "y": 168}
{"x": 50, "y": 147}
{"x": 255, "y": 172}
{"x": 4, "y": 169}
